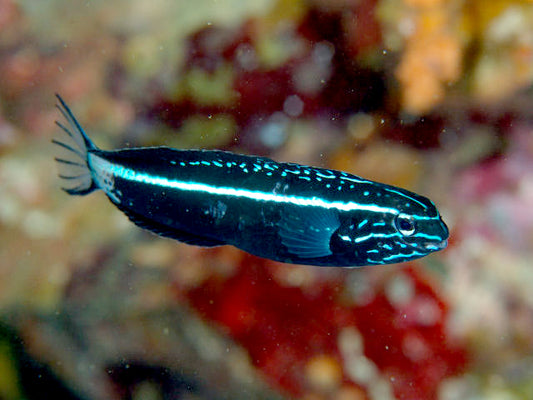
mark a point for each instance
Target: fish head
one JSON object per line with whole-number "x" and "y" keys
{"x": 396, "y": 226}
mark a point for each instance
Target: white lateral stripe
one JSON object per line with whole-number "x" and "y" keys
{"x": 132, "y": 175}
{"x": 104, "y": 166}
{"x": 252, "y": 194}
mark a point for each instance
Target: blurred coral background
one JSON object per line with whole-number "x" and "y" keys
{"x": 431, "y": 95}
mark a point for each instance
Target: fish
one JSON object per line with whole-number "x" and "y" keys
{"x": 284, "y": 212}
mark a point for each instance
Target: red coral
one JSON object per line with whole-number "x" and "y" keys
{"x": 283, "y": 328}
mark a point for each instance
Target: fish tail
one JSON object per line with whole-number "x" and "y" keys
{"x": 73, "y": 164}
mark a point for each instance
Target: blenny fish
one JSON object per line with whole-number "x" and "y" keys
{"x": 281, "y": 211}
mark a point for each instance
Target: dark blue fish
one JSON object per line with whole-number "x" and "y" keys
{"x": 281, "y": 211}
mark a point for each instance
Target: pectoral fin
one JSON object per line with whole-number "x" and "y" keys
{"x": 306, "y": 231}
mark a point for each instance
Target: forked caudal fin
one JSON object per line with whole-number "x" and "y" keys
{"x": 73, "y": 164}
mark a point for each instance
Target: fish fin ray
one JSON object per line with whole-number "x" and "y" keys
{"x": 307, "y": 232}
{"x": 69, "y": 162}
{"x": 74, "y": 168}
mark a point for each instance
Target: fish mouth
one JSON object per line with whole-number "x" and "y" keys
{"x": 435, "y": 246}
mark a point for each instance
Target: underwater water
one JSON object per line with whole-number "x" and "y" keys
{"x": 430, "y": 96}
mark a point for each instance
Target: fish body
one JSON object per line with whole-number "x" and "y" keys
{"x": 281, "y": 211}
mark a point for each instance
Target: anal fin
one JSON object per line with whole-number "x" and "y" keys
{"x": 167, "y": 231}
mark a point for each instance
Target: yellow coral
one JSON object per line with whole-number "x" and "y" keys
{"x": 505, "y": 60}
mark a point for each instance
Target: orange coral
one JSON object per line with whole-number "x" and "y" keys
{"x": 427, "y": 65}
{"x": 431, "y": 34}
{"x": 427, "y": 32}
{"x": 424, "y": 3}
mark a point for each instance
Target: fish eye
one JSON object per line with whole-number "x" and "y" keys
{"x": 405, "y": 225}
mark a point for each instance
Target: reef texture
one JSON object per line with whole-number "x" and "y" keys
{"x": 430, "y": 95}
